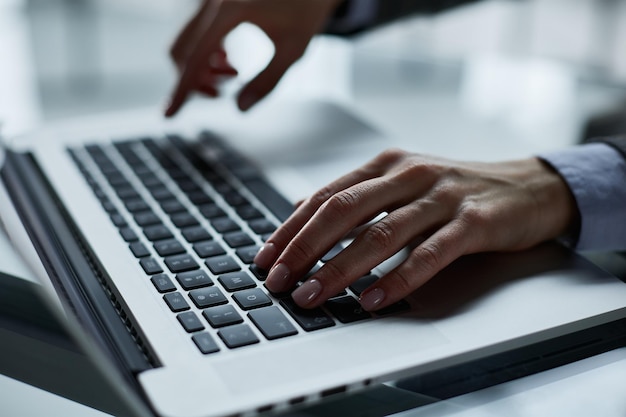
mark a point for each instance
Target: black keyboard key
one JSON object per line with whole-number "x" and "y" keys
{"x": 199, "y": 197}
{"x": 175, "y": 172}
{"x": 272, "y": 323}
{"x": 172, "y": 206}
{"x": 235, "y": 199}
{"x": 139, "y": 249}
{"x": 128, "y": 234}
{"x": 127, "y": 193}
{"x": 248, "y": 212}
{"x": 308, "y": 319}
{"x": 183, "y": 219}
{"x": 176, "y": 302}
{"x": 395, "y": 308}
{"x": 186, "y": 183}
{"x": 157, "y": 232}
{"x": 224, "y": 225}
{"x": 238, "y": 239}
{"x": 236, "y": 281}
{"x": 220, "y": 316}
{"x": 252, "y": 298}
{"x": 161, "y": 193}
{"x": 347, "y": 309}
{"x": 260, "y": 274}
{"x": 190, "y": 322}
{"x": 247, "y": 254}
{"x": 222, "y": 264}
{"x": 211, "y": 211}
{"x": 146, "y": 218}
{"x": 207, "y": 297}
{"x": 150, "y": 266}
{"x": 136, "y": 205}
{"x": 168, "y": 247}
{"x": 205, "y": 343}
{"x": 116, "y": 179}
{"x": 162, "y": 283}
{"x": 196, "y": 234}
{"x": 150, "y": 181}
{"x": 181, "y": 263}
{"x": 237, "y": 336}
{"x": 362, "y": 283}
{"x": 262, "y": 226}
{"x": 118, "y": 220}
{"x": 222, "y": 187}
{"x": 194, "y": 279}
{"x": 208, "y": 248}
{"x": 142, "y": 170}
{"x": 108, "y": 206}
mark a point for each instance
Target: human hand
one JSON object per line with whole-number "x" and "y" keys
{"x": 201, "y": 59}
{"x": 453, "y": 208}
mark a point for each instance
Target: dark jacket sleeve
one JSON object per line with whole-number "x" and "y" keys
{"x": 390, "y": 10}
{"x": 618, "y": 142}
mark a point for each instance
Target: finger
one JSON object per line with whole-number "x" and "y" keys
{"x": 331, "y": 222}
{"x": 207, "y": 90}
{"x": 209, "y": 43}
{"x": 189, "y": 34}
{"x": 286, "y": 54}
{"x": 430, "y": 257}
{"x": 372, "y": 246}
{"x": 277, "y": 242}
{"x": 219, "y": 62}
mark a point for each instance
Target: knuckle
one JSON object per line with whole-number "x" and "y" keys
{"x": 428, "y": 257}
{"x": 321, "y": 196}
{"x": 334, "y": 276}
{"x": 381, "y": 235}
{"x": 341, "y": 204}
{"x": 300, "y": 251}
{"x": 445, "y": 193}
{"x": 390, "y": 156}
{"x": 474, "y": 216}
{"x": 412, "y": 170}
{"x": 402, "y": 283}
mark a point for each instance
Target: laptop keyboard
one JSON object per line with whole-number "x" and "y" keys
{"x": 184, "y": 212}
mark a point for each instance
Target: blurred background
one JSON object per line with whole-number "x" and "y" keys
{"x": 525, "y": 63}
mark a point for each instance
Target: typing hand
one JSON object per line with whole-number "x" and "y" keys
{"x": 453, "y": 208}
{"x": 201, "y": 59}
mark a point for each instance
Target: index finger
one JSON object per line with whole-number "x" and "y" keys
{"x": 221, "y": 21}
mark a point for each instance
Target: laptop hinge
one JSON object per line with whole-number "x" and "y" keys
{"x": 65, "y": 258}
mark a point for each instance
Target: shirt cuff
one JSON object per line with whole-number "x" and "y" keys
{"x": 356, "y": 15}
{"x": 596, "y": 176}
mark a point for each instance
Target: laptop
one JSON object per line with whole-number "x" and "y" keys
{"x": 142, "y": 233}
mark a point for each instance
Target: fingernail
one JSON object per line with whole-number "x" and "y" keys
{"x": 247, "y": 100}
{"x": 266, "y": 255}
{"x": 278, "y": 277}
{"x": 306, "y": 293}
{"x": 370, "y": 300}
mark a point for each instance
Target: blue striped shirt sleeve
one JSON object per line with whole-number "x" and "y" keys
{"x": 596, "y": 175}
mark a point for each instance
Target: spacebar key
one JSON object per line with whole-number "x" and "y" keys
{"x": 309, "y": 320}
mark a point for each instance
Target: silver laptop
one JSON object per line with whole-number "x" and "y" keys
{"x": 142, "y": 233}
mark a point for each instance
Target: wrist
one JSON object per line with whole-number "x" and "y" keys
{"x": 557, "y": 211}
